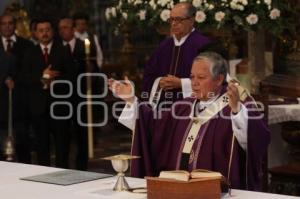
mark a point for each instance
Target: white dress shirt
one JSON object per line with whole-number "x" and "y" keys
{"x": 49, "y": 46}
{"x": 13, "y": 39}
{"x": 71, "y": 43}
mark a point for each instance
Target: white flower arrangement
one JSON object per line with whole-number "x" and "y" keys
{"x": 200, "y": 17}
{"x": 275, "y": 13}
{"x": 142, "y": 15}
{"x": 252, "y": 19}
{"x": 165, "y": 15}
{"x": 219, "y": 16}
{"x": 241, "y": 14}
{"x": 237, "y": 14}
{"x": 197, "y": 3}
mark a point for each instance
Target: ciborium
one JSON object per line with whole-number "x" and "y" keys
{"x": 120, "y": 164}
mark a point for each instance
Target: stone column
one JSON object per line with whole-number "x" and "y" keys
{"x": 256, "y": 56}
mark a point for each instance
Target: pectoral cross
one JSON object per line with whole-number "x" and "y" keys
{"x": 191, "y": 138}
{"x": 225, "y": 99}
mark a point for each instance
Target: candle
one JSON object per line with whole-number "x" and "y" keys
{"x": 87, "y": 45}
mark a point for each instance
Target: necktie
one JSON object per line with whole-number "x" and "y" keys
{"x": 69, "y": 48}
{"x": 46, "y": 55}
{"x": 8, "y": 45}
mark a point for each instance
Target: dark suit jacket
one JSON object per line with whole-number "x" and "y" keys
{"x": 18, "y": 51}
{"x": 20, "y": 97}
{"x": 79, "y": 58}
{"x": 7, "y": 69}
{"x": 79, "y": 68}
{"x": 34, "y": 64}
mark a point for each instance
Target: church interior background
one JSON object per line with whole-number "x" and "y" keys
{"x": 127, "y": 50}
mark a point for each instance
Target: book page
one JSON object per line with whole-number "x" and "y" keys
{"x": 201, "y": 173}
{"x": 176, "y": 175}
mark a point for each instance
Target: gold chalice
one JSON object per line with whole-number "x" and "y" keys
{"x": 120, "y": 164}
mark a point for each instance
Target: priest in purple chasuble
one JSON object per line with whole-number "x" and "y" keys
{"x": 218, "y": 129}
{"x": 167, "y": 71}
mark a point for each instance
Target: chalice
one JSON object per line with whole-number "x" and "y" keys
{"x": 120, "y": 164}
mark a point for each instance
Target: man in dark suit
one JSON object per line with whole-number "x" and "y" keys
{"x": 81, "y": 22}
{"x": 16, "y": 46}
{"x": 77, "y": 49}
{"x": 43, "y": 64}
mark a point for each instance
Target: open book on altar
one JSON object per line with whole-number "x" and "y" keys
{"x": 179, "y": 184}
{"x": 199, "y": 174}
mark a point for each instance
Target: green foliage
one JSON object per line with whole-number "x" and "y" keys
{"x": 271, "y": 15}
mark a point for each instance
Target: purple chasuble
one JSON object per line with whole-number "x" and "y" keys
{"x": 159, "y": 142}
{"x": 168, "y": 60}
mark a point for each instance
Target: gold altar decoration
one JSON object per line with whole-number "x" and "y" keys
{"x": 21, "y": 16}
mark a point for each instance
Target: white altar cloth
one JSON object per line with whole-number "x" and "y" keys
{"x": 283, "y": 113}
{"x": 11, "y": 187}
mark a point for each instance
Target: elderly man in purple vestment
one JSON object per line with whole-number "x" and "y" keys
{"x": 166, "y": 75}
{"x": 219, "y": 128}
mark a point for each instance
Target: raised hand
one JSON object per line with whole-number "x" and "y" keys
{"x": 234, "y": 97}
{"x": 123, "y": 89}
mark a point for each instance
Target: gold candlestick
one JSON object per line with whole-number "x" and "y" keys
{"x": 9, "y": 150}
{"x": 87, "y": 45}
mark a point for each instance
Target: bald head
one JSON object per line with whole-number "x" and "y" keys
{"x": 182, "y": 19}
{"x": 66, "y": 29}
{"x": 7, "y": 25}
{"x": 187, "y": 7}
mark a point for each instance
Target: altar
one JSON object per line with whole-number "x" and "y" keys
{"x": 11, "y": 187}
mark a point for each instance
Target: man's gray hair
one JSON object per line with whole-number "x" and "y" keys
{"x": 218, "y": 65}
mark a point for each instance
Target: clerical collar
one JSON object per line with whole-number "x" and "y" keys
{"x": 201, "y": 105}
{"x": 81, "y": 36}
{"x": 71, "y": 43}
{"x": 12, "y": 38}
{"x": 182, "y": 40}
{"x": 48, "y": 46}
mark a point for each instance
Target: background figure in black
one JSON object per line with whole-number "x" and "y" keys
{"x": 46, "y": 62}
{"x": 17, "y": 46}
{"x": 32, "y": 27}
{"x": 82, "y": 32}
{"x": 7, "y": 70}
{"x": 77, "y": 49}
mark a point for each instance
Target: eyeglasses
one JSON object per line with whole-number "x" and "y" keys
{"x": 177, "y": 19}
